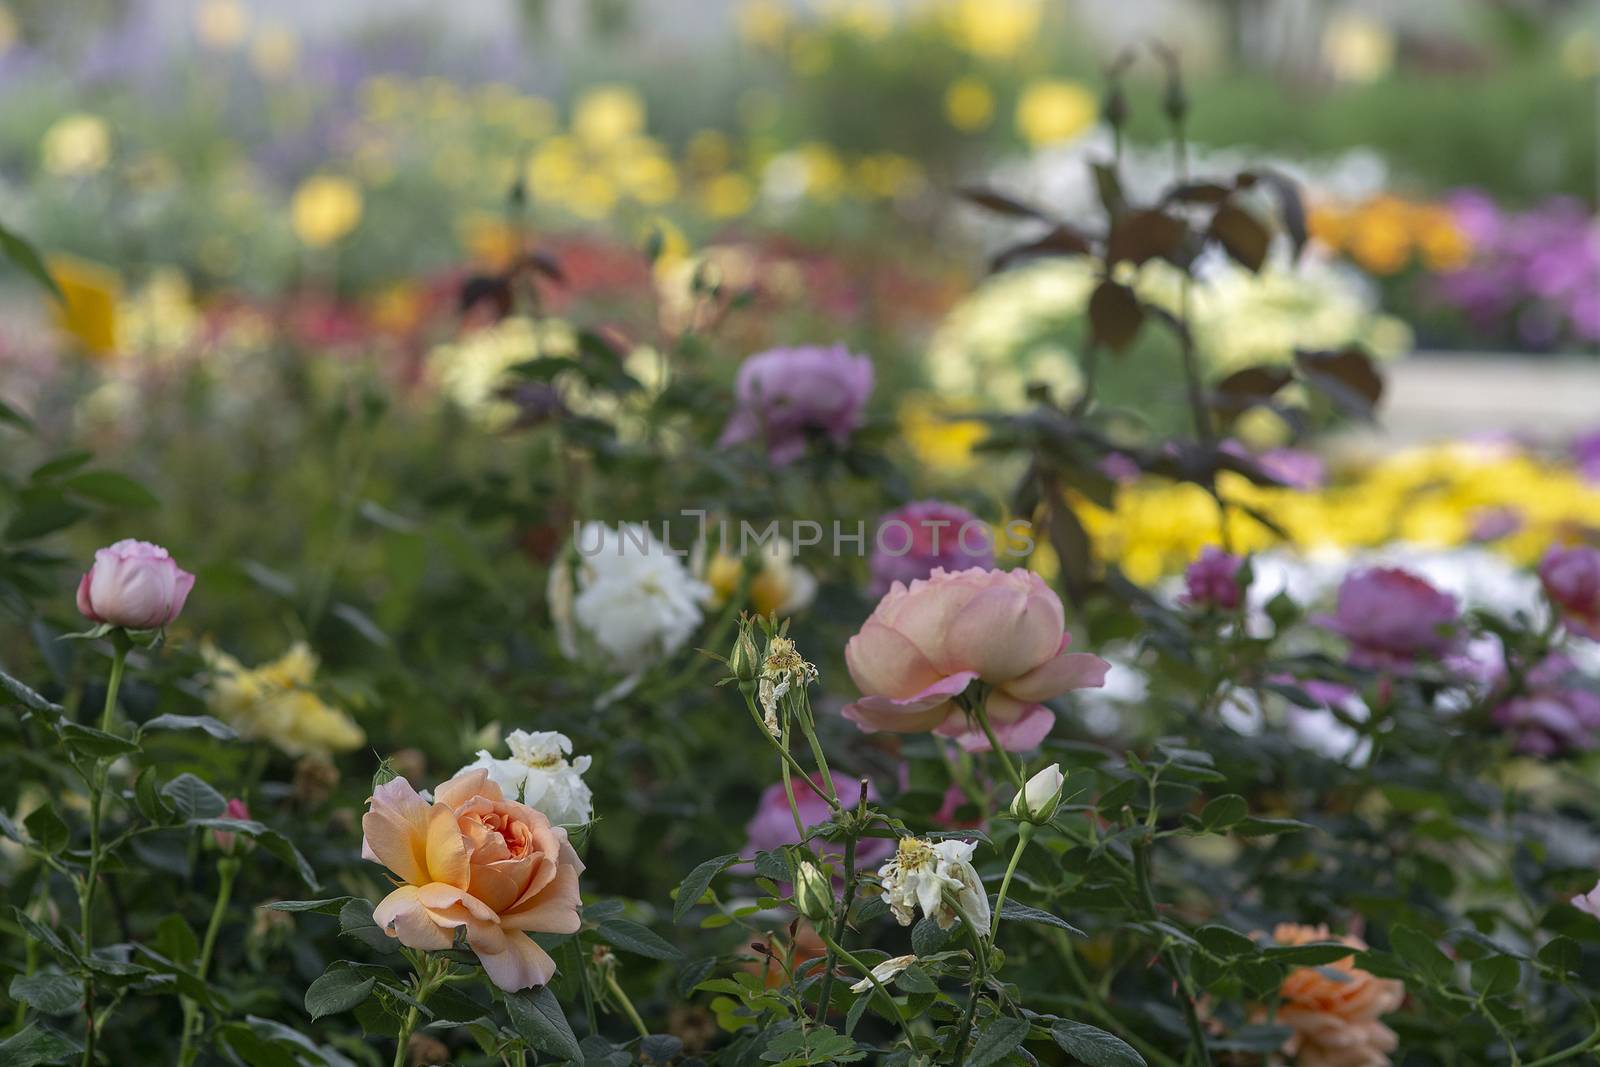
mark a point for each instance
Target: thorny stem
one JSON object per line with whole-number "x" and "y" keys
{"x": 428, "y": 978}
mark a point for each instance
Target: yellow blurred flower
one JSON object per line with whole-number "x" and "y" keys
{"x": 994, "y": 29}
{"x": 275, "y": 702}
{"x": 1050, "y": 112}
{"x": 76, "y": 145}
{"x": 824, "y": 172}
{"x": 274, "y": 52}
{"x": 809, "y": 53}
{"x": 762, "y": 22}
{"x": 1357, "y": 47}
{"x": 606, "y": 114}
{"x": 325, "y": 208}
{"x": 777, "y": 583}
{"x": 939, "y": 439}
{"x": 221, "y": 24}
{"x": 887, "y": 175}
{"x": 726, "y": 196}
{"x": 969, "y": 104}
{"x": 88, "y": 310}
{"x": 708, "y": 152}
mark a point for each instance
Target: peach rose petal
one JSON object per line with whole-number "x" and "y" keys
{"x": 447, "y": 849}
{"x": 403, "y": 916}
{"x": 915, "y": 714}
{"x": 394, "y": 831}
{"x": 1025, "y": 732}
{"x": 1060, "y": 674}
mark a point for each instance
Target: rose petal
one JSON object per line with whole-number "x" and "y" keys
{"x": 1060, "y": 674}
{"x": 448, "y": 861}
{"x": 401, "y": 915}
{"x": 1033, "y": 726}
{"x": 922, "y": 711}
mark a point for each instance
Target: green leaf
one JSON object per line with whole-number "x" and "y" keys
{"x": 1225, "y": 941}
{"x": 12, "y": 416}
{"x": 326, "y": 906}
{"x": 147, "y": 798}
{"x": 1419, "y": 950}
{"x": 694, "y": 886}
{"x": 215, "y": 727}
{"x": 25, "y": 256}
{"x": 538, "y": 1019}
{"x": 927, "y": 939}
{"x": 98, "y": 744}
{"x": 47, "y": 829}
{"x": 355, "y": 921}
{"x": 1256, "y": 826}
{"x": 1223, "y": 812}
{"x": 176, "y": 941}
{"x": 997, "y": 1041}
{"x": 1015, "y": 911}
{"x": 34, "y": 1045}
{"x": 1094, "y": 1046}
{"x": 50, "y": 992}
{"x": 339, "y": 988}
{"x": 14, "y": 692}
{"x": 112, "y": 489}
{"x": 193, "y": 798}
{"x": 641, "y": 940}
{"x": 1311, "y": 954}
{"x": 1495, "y": 976}
{"x": 1561, "y": 954}
{"x": 269, "y": 839}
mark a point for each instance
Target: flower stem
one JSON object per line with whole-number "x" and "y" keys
{"x": 981, "y": 711}
{"x": 430, "y": 976}
{"x": 877, "y": 986}
{"x": 1024, "y": 835}
{"x": 841, "y": 917}
{"x": 86, "y": 888}
{"x": 627, "y": 1005}
{"x": 1197, "y": 1037}
{"x": 227, "y": 871}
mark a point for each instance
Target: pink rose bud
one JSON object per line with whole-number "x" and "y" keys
{"x": 135, "y": 585}
{"x": 1571, "y": 578}
{"x": 236, "y": 809}
{"x": 1212, "y": 580}
{"x": 1392, "y": 617}
{"x": 926, "y": 642}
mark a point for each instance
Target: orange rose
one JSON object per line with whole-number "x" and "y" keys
{"x": 476, "y": 860}
{"x": 1336, "y": 1021}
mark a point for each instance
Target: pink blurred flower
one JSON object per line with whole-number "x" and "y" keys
{"x": 238, "y": 810}
{"x": 913, "y": 540}
{"x": 1551, "y": 716}
{"x": 1392, "y": 617}
{"x": 772, "y": 826}
{"x": 1589, "y": 902}
{"x": 134, "y": 584}
{"x": 1571, "y": 578}
{"x": 1212, "y": 580}
{"x": 786, "y": 394}
{"x": 926, "y": 642}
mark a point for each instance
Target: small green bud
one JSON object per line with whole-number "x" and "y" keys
{"x": 813, "y": 891}
{"x": 745, "y": 659}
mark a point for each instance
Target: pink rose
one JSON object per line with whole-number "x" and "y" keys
{"x": 772, "y": 826}
{"x": 1571, "y": 578}
{"x": 473, "y": 859}
{"x": 134, "y": 584}
{"x": 1391, "y": 617}
{"x": 1212, "y": 580}
{"x": 926, "y": 642}
{"x": 236, "y": 809}
{"x": 786, "y": 395}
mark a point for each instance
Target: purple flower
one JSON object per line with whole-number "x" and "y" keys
{"x": 787, "y": 394}
{"x": 1392, "y": 617}
{"x": 1586, "y": 453}
{"x": 1552, "y": 716}
{"x": 1571, "y": 578}
{"x": 1294, "y": 467}
{"x": 913, "y": 540}
{"x": 772, "y": 826}
{"x": 1212, "y": 580}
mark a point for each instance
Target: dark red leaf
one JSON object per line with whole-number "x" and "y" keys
{"x": 1241, "y": 234}
{"x": 1145, "y": 235}
{"x": 1115, "y": 315}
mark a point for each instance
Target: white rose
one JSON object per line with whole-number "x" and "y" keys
{"x": 539, "y": 775}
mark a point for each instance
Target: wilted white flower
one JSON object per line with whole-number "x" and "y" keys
{"x": 540, "y": 775}
{"x": 781, "y": 670}
{"x": 919, "y": 874}
{"x": 884, "y": 972}
{"x": 622, "y": 597}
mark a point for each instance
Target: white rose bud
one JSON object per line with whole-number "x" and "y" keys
{"x": 1040, "y": 796}
{"x": 813, "y": 891}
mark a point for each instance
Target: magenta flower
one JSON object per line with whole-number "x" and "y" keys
{"x": 236, "y": 810}
{"x": 913, "y": 540}
{"x": 135, "y": 585}
{"x": 786, "y": 395}
{"x": 1212, "y": 580}
{"x": 772, "y": 826}
{"x": 1552, "y": 716}
{"x": 1391, "y": 617}
{"x": 1571, "y": 578}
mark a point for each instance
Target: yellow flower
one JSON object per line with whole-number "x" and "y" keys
{"x": 726, "y": 196}
{"x": 76, "y": 145}
{"x": 763, "y": 22}
{"x": 1050, "y": 112}
{"x": 995, "y": 29}
{"x": 607, "y": 114}
{"x": 221, "y": 24}
{"x": 1357, "y": 48}
{"x": 777, "y": 583}
{"x": 325, "y": 208}
{"x": 969, "y": 104}
{"x": 939, "y": 442}
{"x": 274, "y": 52}
{"x": 275, "y": 702}
{"x": 88, "y": 310}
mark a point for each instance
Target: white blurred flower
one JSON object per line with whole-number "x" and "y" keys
{"x": 539, "y": 774}
{"x": 1589, "y": 902}
{"x": 919, "y": 874}
{"x": 622, "y": 597}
